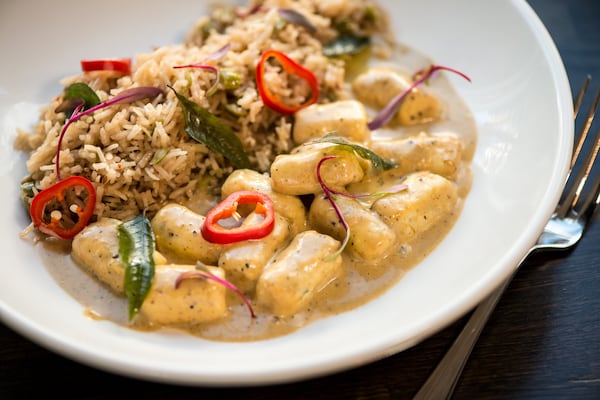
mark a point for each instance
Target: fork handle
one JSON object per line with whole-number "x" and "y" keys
{"x": 441, "y": 383}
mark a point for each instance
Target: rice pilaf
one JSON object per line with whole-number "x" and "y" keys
{"x": 139, "y": 156}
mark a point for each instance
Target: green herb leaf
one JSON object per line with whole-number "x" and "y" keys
{"x": 76, "y": 94}
{"x": 377, "y": 161}
{"x": 346, "y": 44}
{"x": 206, "y": 128}
{"x": 80, "y": 90}
{"x": 136, "y": 249}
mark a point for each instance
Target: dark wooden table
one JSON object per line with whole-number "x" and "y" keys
{"x": 542, "y": 342}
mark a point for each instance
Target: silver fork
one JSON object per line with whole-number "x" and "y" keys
{"x": 563, "y": 231}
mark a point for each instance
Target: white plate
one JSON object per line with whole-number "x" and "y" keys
{"x": 522, "y": 103}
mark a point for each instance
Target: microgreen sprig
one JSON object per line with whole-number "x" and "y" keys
{"x": 331, "y": 195}
{"x": 375, "y": 195}
{"x": 126, "y": 96}
{"x": 203, "y": 272}
{"x": 420, "y": 77}
{"x": 203, "y": 65}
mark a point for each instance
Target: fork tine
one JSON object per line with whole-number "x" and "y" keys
{"x": 592, "y": 199}
{"x": 580, "y": 94}
{"x": 579, "y": 98}
{"x": 571, "y": 198}
{"x": 585, "y": 128}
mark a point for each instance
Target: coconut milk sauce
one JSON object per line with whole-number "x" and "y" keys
{"x": 361, "y": 282}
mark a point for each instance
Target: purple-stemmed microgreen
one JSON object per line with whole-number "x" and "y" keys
{"x": 420, "y": 77}
{"x": 62, "y": 135}
{"x": 75, "y": 94}
{"x": 202, "y": 272}
{"x": 370, "y": 196}
{"x": 203, "y": 65}
{"x": 243, "y": 13}
{"x": 126, "y": 96}
{"x": 330, "y": 194}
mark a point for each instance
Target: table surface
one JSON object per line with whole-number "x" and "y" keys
{"x": 542, "y": 342}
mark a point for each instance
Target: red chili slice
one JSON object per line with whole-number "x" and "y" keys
{"x": 122, "y": 65}
{"x": 213, "y": 232}
{"x": 62, "y": 210}
{"x": 291, "y": 67}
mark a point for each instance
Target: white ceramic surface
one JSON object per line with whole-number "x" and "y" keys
{"x": 520, "y": 97}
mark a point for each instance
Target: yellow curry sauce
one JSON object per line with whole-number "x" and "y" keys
{"x": 361, "y": 280}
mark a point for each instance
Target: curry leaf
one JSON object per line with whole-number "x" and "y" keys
{"x": 296, "y": 18}
{"x": 136, "y": 249}
{"x": 206, "y": 128}
{"x": 346, "y": 44}
{"x": 377, "y": 161}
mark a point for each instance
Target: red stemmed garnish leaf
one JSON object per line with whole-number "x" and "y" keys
{"x": 331, "y": 194}
{"x": 421, "y": 76}
{"x": 203, "y": 65}
{"x": 201, "y": 272}
{"x": 331, "y": 197}
{"x": 126, "y": 96}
